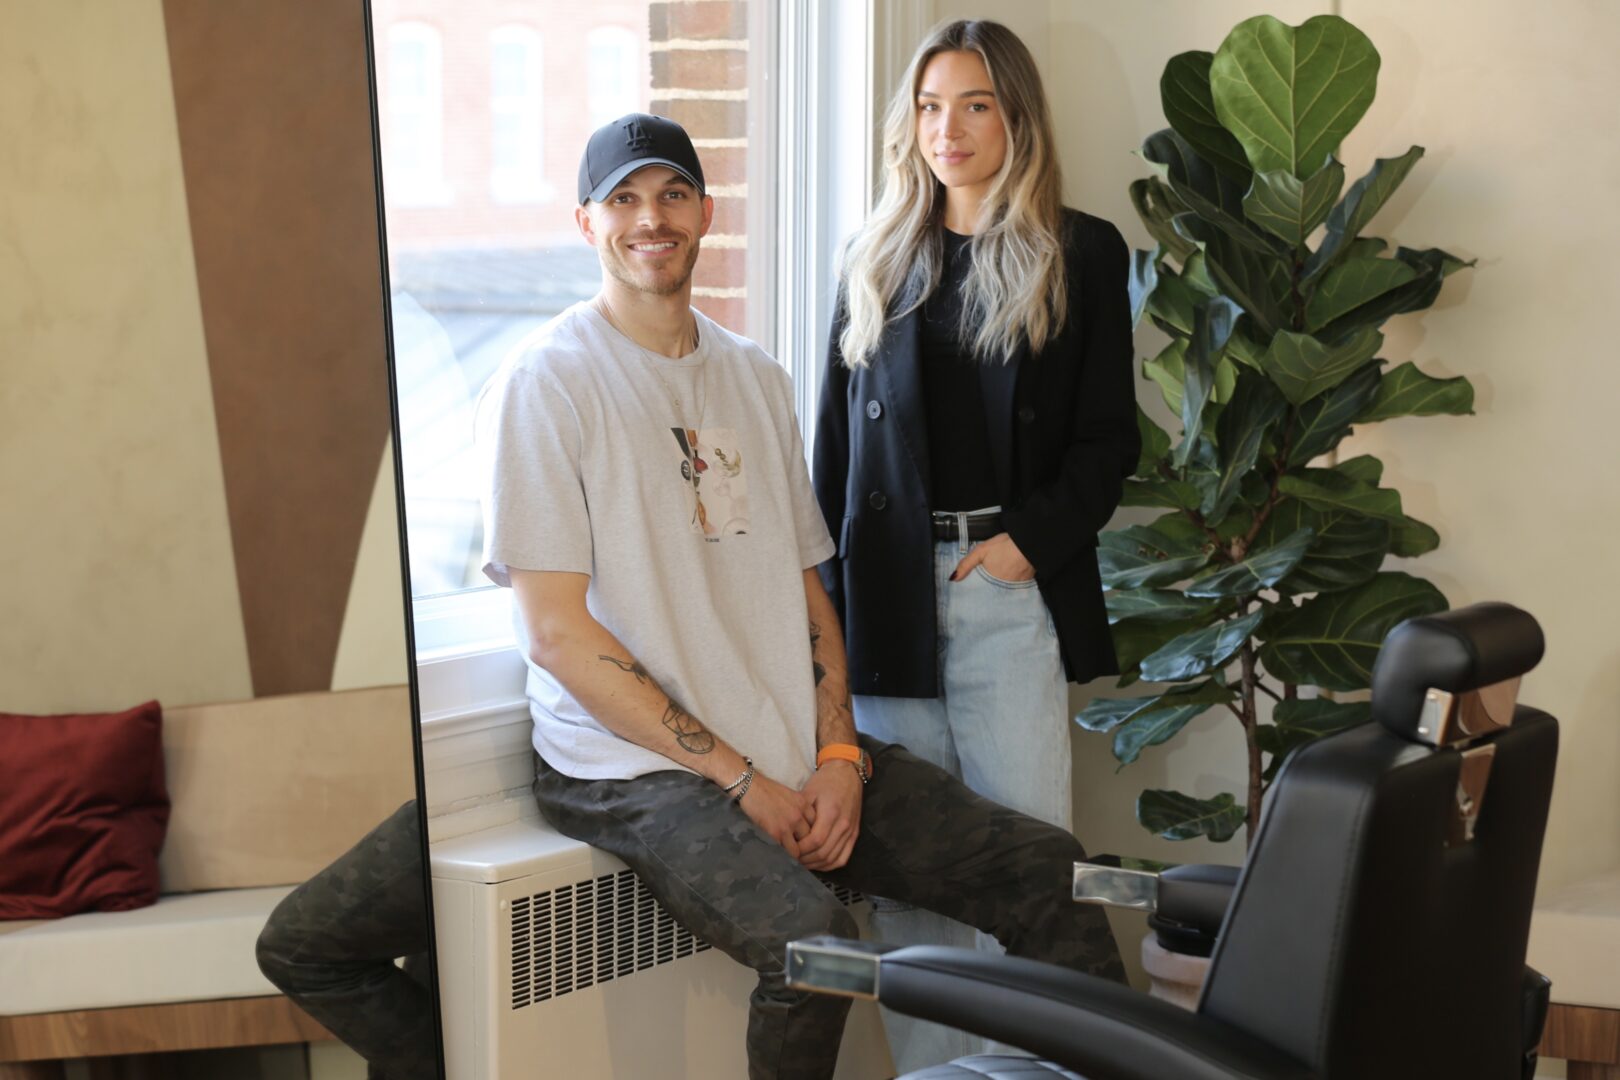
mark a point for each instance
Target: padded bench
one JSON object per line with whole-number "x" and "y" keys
{"x": 264, "y": 793}
{"x": 1575, "y": 941}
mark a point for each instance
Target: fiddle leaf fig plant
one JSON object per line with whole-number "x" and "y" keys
{"x": 1263, "y": 576}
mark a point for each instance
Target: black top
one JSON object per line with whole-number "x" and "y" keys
{"x": 960, "y": 469}
{"x": 1062, "y": 439}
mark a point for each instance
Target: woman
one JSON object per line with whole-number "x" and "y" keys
{"x": 975, "y": 427}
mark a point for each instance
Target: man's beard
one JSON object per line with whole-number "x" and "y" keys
{"x": 661, "y": 285}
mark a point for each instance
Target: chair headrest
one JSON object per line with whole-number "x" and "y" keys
{"x": 1468, "y": 649}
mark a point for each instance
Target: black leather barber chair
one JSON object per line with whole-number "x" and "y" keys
{"x": 1377, "y": 928}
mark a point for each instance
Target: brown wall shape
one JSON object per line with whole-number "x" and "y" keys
{"x": 274, "y": 112}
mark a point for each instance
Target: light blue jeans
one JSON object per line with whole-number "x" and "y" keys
{"x": 1000, "y": 723}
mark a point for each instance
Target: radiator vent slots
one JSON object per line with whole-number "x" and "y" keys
{"x": 575, "y": 936}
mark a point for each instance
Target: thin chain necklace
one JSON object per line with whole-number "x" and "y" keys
{"x": 689, "y": 443}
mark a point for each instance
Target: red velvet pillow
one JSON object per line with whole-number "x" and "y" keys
{"x": 83, "y": 810}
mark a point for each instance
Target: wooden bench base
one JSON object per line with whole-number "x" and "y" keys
{"x": 152, "y": 1029}
{"x": 1588, "y": 1039}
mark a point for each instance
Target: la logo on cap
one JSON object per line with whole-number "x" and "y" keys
{"x": 635, "y": 135}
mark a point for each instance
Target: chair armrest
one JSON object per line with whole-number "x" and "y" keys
{"x": 1193, "y": 897}
{"x": 1100, "y": 1029}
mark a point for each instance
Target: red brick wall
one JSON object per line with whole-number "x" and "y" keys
{"x": 700, "y": 62}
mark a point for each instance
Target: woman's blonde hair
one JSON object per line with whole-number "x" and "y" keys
{"x": 1015, "y": 288}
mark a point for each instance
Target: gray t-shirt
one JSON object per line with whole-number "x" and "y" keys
{"x": 586, "y": 440}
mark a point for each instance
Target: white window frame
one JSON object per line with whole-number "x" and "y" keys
{"x": 631, "y": 55}
{"x": 468, "y": 660}
{"x": 524, "y": 183}
{"x": 425, "y": 186}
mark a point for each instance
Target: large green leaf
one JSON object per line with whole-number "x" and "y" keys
{"x": 1303, "y": 366}
{"x": 1213, "y": 320}
{"x": 1406, "y": 391}
{"x": 1260, "y": 569}
{"x": 1362, "y": 467}
{"x": 1432, "y": 267}
{"x": 1206, "y": 191}
{"x": 1144, "y": 276}
{"x": 1330, "y": 489}
{"x": 1291, "y": 94}
{"x": 1165, "y": 715}
{"x": 1172, "y": 303}
{"x": 1136, "y": 638}
{"x": 1184, "y": 92}
{"x": 1347, "y": 548}
{"x": 1180, "y": 528}
{"x": 1297, "y": 722}
{"x": 1200, "y": 651}
{"x": 1412, "y": 538}
{"x": 1169, "y": 371}
{"x": 1157, "y": 605}
{"x": 1133, "y": 557}
{"x": 1160, "y": 492}
{"x": 1364, "y": 199}
{"x": 1352, "y": 283}
{"x": 1288, "y": 207}
{"x": 1105, "y": 714}
{"x": 1157, "y": 207}
{"x": 1155, "y": 444}
{"x": 1176, "y": 816}
{"x": 1242, "y": 427}
{"x": 1326, "y": 418}
{"x": 1332, "y": 639}
{"x": 1253, "y": 279}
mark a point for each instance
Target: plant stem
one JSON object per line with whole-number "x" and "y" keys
{"x": 1268, "y": 691}
{"x": 1249, "y": 717}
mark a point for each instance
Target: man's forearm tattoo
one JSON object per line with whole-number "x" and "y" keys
{"x": 689, "y": 732}
{"x": 815, "y": 639}
{"x": 629, "y": 667}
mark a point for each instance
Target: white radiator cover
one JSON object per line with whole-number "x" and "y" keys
{"x": 554, "y": 961}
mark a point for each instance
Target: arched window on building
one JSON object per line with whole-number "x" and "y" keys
{"x": 413, "y": 137}
{"x": 516, "y": 102}
{"x": 616, "y": 80}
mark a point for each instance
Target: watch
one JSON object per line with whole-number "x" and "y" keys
{"x": 847, "y": 752}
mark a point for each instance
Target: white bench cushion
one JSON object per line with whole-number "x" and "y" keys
{"x": 187, "y": 947}
{"x": 1575, "y": 941}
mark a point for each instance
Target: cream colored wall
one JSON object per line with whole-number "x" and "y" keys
{"x": 1518, "y": 116}
{"x": 1521, "y": 172}
{"x": 371, "y": 649}
{"x": 115, "y": 552}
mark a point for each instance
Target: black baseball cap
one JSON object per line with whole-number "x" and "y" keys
{"x": 632, "y": 142}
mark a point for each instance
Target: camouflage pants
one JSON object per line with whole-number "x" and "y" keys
{"x": 330, "y": 946}
{"x": 925, "y": 838}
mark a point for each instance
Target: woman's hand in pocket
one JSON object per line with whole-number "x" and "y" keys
{"x": 1000, "y": 557}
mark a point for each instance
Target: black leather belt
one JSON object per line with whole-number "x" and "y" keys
{"x": 979, "y": 526}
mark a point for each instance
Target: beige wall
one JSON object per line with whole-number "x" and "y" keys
{"x": 117, "y": 561}
{"x": 1516, "y": 114}
{"x": 115, "y": 552}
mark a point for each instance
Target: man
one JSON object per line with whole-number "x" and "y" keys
{"x": 331, "y": 943}
{"x": 648, "y": 503}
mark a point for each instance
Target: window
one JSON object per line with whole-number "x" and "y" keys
{"x": 470, "y": 279}
{"x": 413, "y": 137}
{"x": 614, "y": 67}
{"x": 517, "y": 167}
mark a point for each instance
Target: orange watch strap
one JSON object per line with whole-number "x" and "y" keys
{"x": 838, "y": 752}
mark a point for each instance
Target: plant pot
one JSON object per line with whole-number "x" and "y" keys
{"x": 1175, "y": 977}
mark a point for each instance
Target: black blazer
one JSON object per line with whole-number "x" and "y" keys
{"x": 1063, "y": 435}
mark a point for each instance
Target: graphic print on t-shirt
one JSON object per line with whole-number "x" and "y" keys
{"x": 710, "y": 464}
